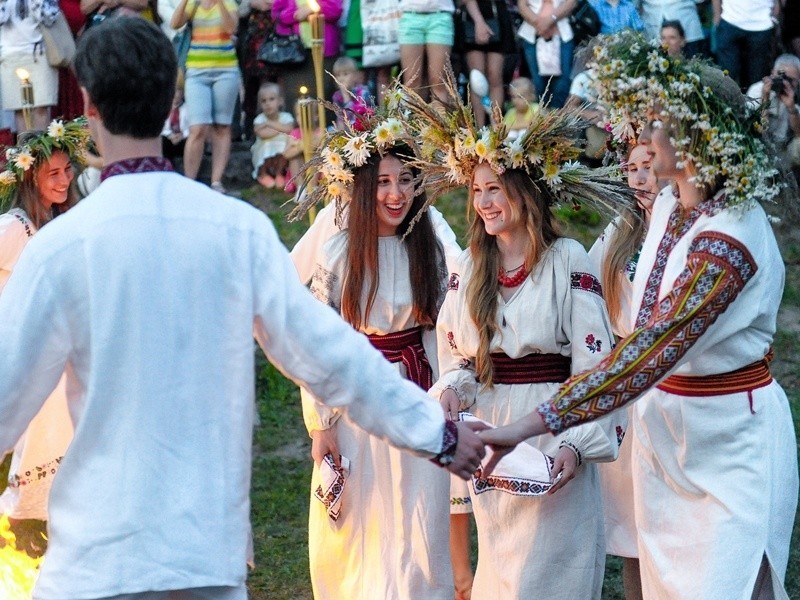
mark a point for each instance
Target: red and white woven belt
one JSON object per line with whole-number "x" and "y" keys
{"x": 406, "y": 347}
{"x": 531, "y": 368}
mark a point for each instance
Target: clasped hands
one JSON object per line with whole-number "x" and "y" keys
{"x": 476, "y": 437}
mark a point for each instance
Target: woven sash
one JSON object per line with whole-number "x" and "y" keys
{"x": 532, "y": 368}
{"x": 746, "y": 379}
{"x": 406, "y": 347}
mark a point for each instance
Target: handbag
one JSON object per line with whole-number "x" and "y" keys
{"x": 282, "y": 50}
{"x": 59, "y": 44}
{"x": 380, "y": 26}
{"x": 468, "y": 26}
{"x": 181, "y": 43}
{"x": 183, "y": 39}
{"x": 585, "y": 22}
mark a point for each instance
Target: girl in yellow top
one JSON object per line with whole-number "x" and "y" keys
{"x": 212, "y": 82}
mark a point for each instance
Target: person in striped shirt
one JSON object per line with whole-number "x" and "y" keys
{"x": 212, "y": 82}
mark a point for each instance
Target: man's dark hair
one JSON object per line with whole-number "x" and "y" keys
{"x": 128, "y": 67}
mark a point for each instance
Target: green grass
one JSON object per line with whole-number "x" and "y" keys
{"x": 281, "y": 447}
{"x": 281, "y": 487}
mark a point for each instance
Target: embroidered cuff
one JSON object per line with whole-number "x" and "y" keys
{"x": 449, "y": 445}
{"x": 574, "y": 448}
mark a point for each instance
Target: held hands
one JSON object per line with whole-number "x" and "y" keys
{"x": 323, "y": 441}
{"x": 503, "y": 440}
{"x": 469, "y": 451}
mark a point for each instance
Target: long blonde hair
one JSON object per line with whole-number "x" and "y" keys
{"x": 527, "y": 201}
{"x": 624, "y": 243}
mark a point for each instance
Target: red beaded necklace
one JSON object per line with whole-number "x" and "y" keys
{"x": 513, "y": 281}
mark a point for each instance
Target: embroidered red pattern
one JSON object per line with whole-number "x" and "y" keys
{"x": 586, "y": 282}
{"x": 717, "y": 269}
{"x": 452, "y": 282}
{"x": 593, "y": 344}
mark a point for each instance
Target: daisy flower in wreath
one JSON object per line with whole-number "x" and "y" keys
{"x": 328, "y": 176}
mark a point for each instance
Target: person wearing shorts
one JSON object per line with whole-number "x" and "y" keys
{"x": 212, "y": 83}
{"x": 426, "y": 38}
{"x": 21, "y": 48}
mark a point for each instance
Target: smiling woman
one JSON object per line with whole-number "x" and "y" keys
{"x": 37, "y": 185}
{"x": 385, "y": 273}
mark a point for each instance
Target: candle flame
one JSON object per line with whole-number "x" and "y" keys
{"x": 23, "y": 74}
{"x": 18, "y": 571}
{"x": 313, "y": 5}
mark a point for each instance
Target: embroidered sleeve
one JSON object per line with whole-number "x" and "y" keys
{"x": 717, "y": 270}
{"x": 456, "y": 371}
{"x": 591, "y": 339}
{"x": 323, "y": 287}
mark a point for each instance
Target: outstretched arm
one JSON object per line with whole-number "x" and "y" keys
{"x": 716, "y": 272}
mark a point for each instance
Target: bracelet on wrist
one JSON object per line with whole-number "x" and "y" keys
{"x": 574, "y": 448}
{"x": 449, "y": 445}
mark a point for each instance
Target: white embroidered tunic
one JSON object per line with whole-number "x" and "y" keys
{"x": 615, "y": 477}
{"x": 391, "y": 540}
{"x": 148, "y": 293}
{"x": 715, "y": 477}
{"x": 558, "y": 309}
{"x": 40, "y": 449}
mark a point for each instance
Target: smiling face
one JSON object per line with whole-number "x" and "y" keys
{"x": 492, "y": 204}
{"x": 53, "y": 179}
{"x": 641, "y": 177}
{"x": 395, "y": 194}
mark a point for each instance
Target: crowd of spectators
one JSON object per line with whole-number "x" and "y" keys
{"x": 414, "y": 39}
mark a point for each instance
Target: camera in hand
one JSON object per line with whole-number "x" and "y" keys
{"x": 777, "y": 82}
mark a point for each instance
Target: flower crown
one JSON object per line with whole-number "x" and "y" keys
{"x": 451, "y": 146}
{"x": 714, "y": 129}
{"x": 71, "y": 137}
{"x": 329, "y": 175}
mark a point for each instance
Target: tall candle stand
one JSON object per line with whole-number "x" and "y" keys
{"x": 26, "y": 89}
{"x": 307, "y": 135}
{"x": 317, "y": 21}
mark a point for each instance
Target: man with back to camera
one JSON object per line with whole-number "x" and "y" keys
{"x": 148, "y": 294}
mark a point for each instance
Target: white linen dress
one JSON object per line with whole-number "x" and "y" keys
{"x": 616, "y": 482}
{"x": 531, "y": 547}
{"x": 39, "y": 451}
{"x": 391, "y": 540}
{"x": 154, "y": 490}
{"x": 715, "y": 477}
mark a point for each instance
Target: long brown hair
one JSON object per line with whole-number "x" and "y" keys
{"x": 29, "y": 199}
{"x": 528, "y": 200}
{"x": 427, "y": 269}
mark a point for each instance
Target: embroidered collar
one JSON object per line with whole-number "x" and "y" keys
{"x": 140, "y": 164}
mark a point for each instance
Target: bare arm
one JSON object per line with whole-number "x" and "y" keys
{"x": 179, "y": 17}
{"x": 229, "y": 20}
